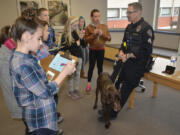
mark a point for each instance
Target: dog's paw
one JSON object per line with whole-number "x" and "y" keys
{"x": 95, "y": 107}
{"x": 107, "y": 125}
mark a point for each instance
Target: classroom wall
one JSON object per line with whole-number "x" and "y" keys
{"x": 8, "y": 13}
{"x": 167, "y": 41}
{"x": 8, "y": 10}
{"x": 84, "y": 7}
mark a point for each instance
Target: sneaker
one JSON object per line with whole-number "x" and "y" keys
{"x": 100, "y": 112}
{"x": 73, "y": 95}
{"x": 88, "y": 88}
{"x": 60, "y": 119}
{"x": 77, "y": 92}
{"x": 60, "y": 132}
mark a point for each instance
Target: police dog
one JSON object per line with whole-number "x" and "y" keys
{"x": 110, "y": 97}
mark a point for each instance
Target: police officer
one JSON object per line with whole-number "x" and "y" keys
{"x": 134, "y": 52}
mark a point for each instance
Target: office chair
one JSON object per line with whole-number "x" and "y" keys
{"x": 141, "y": 86}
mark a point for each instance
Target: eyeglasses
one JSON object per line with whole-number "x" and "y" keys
{"x": 130, "y": 12}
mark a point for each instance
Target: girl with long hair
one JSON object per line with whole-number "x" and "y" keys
{"x": 71, "y": 42}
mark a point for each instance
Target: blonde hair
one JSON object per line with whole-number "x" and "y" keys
{"x": 67, "y": 29}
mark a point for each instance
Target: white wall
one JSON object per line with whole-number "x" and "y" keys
{"x": 8, "y": 12}
{"x": 84, "y": 7}
{"x": 167, "y": 41}
{"x": 148, "y": 11}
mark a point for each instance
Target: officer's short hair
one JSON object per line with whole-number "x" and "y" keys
{"x": 136, "y": 5}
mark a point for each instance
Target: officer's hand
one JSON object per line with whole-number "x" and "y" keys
{"x": 132, "y": 55}
{"x": 123, "y": 56}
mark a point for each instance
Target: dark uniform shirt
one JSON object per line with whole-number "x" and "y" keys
{"x": 139, "y": 40}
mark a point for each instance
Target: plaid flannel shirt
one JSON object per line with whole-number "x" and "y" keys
{"x": 33, "y": 92}
{"x": 51, "y": 38}
{"x": 42, "y": 52}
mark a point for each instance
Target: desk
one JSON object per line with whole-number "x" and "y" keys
{"x": 158, "y": 77}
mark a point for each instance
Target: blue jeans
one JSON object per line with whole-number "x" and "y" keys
{"x": 44, "y": 131}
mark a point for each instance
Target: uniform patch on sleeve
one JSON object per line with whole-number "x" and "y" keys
{"x": 149, "y": 32}
{"x": 150, "y": 41}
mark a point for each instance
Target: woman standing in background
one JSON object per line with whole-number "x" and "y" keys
{"x": 71, "y": 42}
{"x": 96, "y": 35}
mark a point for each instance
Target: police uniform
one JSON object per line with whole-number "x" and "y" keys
{"x": 138, "y": 39}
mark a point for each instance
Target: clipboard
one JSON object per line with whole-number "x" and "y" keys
{"x": 59, "y": 62}
{"x": 45, "y": 63}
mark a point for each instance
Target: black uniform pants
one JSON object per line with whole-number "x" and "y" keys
{"x": 95, "y": 55}
{"x": 129, "y": 78}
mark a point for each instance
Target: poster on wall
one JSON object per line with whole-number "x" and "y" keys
{"x": 25, "y": 4}
{"x": 59, "y": 11}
